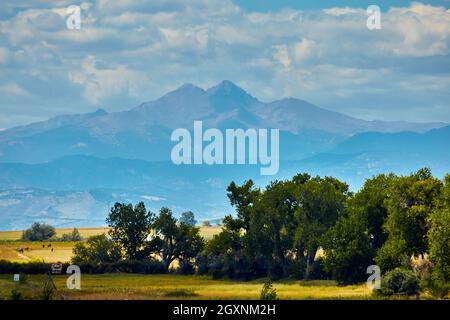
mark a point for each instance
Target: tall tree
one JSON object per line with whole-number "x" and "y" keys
{"x": 320, "y": 202}
{"x": 351, "y": 244}
{"x": 131, "y": 228}
{"x": 410, "y": 203}
{"x": 276, "y": 224}
{"x": 172, "y": 240}
{"x": 39, "y": 232}
{"x": 439, "y": 235}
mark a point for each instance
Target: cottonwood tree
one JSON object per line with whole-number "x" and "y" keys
{"x": 411, "y": 201}
{"x": 172, "y": 240}
{"x": 320, "y": 202}
{"x": 131, "y": 228}
{"x": 439, "y": 236}
{"x": 351, "y": 244}
{"x": 96, "y": 251}
{"x": 39, "y": 232}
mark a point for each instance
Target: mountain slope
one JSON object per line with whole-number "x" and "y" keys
{"x": 90, "y": 185}
{"x": 144, "y": 131}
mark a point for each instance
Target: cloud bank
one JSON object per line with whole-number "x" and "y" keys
{"x": 128, "y": 51}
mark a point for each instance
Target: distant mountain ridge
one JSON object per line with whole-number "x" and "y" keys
{"x": 143, "y": 132}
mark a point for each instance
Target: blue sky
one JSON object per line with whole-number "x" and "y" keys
{"x": 129, "y": 51}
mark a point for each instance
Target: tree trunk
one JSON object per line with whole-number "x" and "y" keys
{"x": 309, "y": 262}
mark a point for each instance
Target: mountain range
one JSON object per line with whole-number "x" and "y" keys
{"x": 69, "y": 169}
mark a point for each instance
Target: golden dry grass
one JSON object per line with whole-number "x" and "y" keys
{"x": 62, "y": 251}
{"x": 207, "y": 232}
{"x": 85, "y": 233}
{"x": 132, "y": 286}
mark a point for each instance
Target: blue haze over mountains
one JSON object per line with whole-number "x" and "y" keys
{"x": 70, "y": 169}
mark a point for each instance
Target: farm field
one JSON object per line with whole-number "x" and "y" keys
{"x": 62, "y": 251}
{"x": 84, "y": 232}
{"x": 133, "y": 286}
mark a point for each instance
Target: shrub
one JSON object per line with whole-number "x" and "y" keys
{"x": 23, "y": 278}
{"x": 436, "y": 286}
{"x": 125, "y": 266}
{"x": 268, "y": 292}
{"x": 16, "y": 295}
{"x": 48, "y": 290}
{"x": 97, "y": 250}
{"x": 318, "y": 271}
{"x": 186, "y": 268}
{"x": 399, "y": 282}
{"x": 73, "y": 236}
{"x": 8, "y": 267}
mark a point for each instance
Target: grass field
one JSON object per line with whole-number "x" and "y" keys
{"x": 62, "y": 251}
{"x": 85, "y": 233}
{"x": 133, "y": 286}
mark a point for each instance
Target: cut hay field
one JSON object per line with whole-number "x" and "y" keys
{"x": 62, "y": 251}
{"x": 133, "y": 286}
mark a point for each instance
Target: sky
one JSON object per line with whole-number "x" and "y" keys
{"x": 128, "y": 52}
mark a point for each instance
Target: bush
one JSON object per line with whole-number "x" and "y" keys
{"x": 125, "y": 266}
{"x": 97, "y": 250}
{"x": 318, "y": 271}
{"x": 73, "y": 236}
{"x": 186, "y": 268}
{"x": 8, "y": 267}
{"x": 437, "y": 287}
{"x": 268, "y": 292}
{"x": 23, "y": 278}
{"x": 399, "y": 282}
{"x": 48, "y": 290}
{"x": 16, "y": 295}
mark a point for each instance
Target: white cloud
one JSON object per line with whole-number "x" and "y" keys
{"x": 342, "y": 11}
{"x": 281, "y": 54}
{"x": 131, "y": 51}
{"x": 419, "y": 30}
{"x": 152, "y": 198}
{"x": 304, "y": 50}
{"x": 101, "y": 83}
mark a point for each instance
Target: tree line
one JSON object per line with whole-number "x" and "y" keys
{"x": 306, "y": 227}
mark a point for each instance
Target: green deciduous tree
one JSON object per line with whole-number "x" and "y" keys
{"x": 350, "y": 246}
{"x": 97, "y": 250}
{"x": 172, "y": 240}
{"x": 320, "y": 202}
{"x": 188, "y": 217}
{"x": 39, "y": 232}
{"x": 411, "y": 200}
{"x": 131, "y": 228}
{"x": 439, "y": 243}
